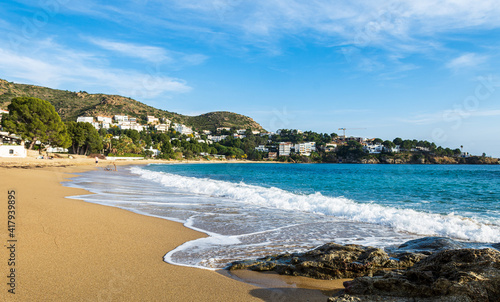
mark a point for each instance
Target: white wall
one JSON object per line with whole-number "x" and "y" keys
{"x": 17, "y": 151}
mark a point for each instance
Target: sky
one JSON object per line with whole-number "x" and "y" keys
{"x": 426, "y": 70}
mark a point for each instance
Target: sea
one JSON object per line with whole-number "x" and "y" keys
{"x": 250, "y": 210}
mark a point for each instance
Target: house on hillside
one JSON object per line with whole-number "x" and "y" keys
{"x": 330, "y": 147}
{"x": 272, "y": 155}
{"x": 105, "y": 119}
{"x": 285, "y": 149}
{"x": 162, "y": 127}
{"x": 11, "y": 145}
{"x": 216, "y": 138}
{"x": 183, "y": 129}
{"x": 153, "y": 120}
{"x": 374, "y": 148}
{"x": 121, "y": 118}
{"x": 262, "y": 148}
{"x": 85, "y": 119}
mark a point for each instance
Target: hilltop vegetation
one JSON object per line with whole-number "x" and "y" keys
{"x": 69, "y": 105}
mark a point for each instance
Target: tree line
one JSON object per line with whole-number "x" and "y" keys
{"x": 36, "y": 120}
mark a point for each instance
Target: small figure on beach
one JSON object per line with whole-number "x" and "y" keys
{"x": 96, "y": 161}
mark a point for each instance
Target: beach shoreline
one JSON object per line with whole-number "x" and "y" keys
{"x": 75, "y": 250}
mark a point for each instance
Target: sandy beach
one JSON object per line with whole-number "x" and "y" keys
{"x": 70, "y": 250}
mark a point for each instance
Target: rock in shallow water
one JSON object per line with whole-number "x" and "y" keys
{"x": 451, "y": 275}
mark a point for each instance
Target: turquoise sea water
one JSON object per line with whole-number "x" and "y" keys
{"x": 249, "y": 210}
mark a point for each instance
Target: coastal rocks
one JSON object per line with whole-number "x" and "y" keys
{"x": 331, "y": 261}
{"x": 428, "y": 245}
{"x": 398, "y": 161}
{"x": 370, "y": 161}
{"x": 449, "y": 275}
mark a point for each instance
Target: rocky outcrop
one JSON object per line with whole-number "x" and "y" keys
{"x": 429, "y": 245}
{"x": 332, "y": 261}
{"x": 449, "y": 275}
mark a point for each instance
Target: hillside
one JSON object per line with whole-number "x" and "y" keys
{"x": 70, "y": 105}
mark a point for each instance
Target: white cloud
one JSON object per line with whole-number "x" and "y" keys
{"x": 148, "y": 53}
{"x": 397, "y": 26}
{"x": 60, "y": 68}
{"x": 360, "y": 22}
{"x": 466, "y": 60}
{"x": 151, "y": 54}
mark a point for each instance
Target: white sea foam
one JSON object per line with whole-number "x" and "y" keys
{"x": 451, "y": 225}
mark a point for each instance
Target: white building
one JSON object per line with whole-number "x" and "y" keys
{"x": 121, "y": 118}
{"x": 393, "y": 150}
{"x": 105, "y": 119}
{"x": 330, "y": 147}
{"x": 12, "y": 151}
{"x": 207, "y": 132}
{"x": 155, "y": 152}
{"x": 135, "y": 126}
{"x": 223, "y": 128}
{"x": 241, "y": 131}
{"x": 305, "y": 148}
{"x": 255, "y": 132}
{"x": 183, "y": 129}
{"x": 262, "y": 148}
{"x": 11, "y": 145}
{"x": 96, "y": 125}
{"x": 56, "y": 150}
{"x": 124, "y": 126}
{"x": 235, "y": 135}
{"x": 153, "y": 120}
{"x": 85, "y": 119}
{"x": 374, "y": 149}
{"x": 162, "y": 128}
{"x": 216, "y": 138}
{"x": 285, "y": 149}
{"x": 166, "y": 121}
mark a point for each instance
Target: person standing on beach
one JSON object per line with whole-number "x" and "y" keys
{"x": 96, "y": 161}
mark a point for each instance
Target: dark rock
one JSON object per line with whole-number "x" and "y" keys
{"x": 331, "y": 261}
{"x": 431, "y": 244}
{"x": 451, "y": 275}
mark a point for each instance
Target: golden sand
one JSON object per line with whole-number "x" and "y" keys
{"x": 71, "y": 250}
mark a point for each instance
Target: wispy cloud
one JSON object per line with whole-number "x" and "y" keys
{"x": 57, "y": 67}
{"x": 466, "y": 60}
{"x": 355, "y": 28}
{"x": 408, "y": 24}
{"x": 148, "y": 53}
{"x": 152, "y": 54}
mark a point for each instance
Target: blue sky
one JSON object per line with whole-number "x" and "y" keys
{"x": 412, "y": 69}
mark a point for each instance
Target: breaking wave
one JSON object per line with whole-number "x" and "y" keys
{"x": 406, "y": 220}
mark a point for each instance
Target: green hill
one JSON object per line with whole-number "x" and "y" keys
{"x": 70, "y": 105}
